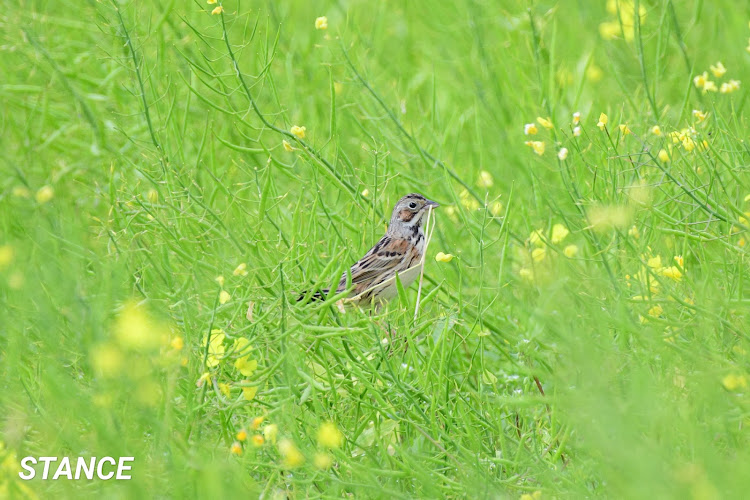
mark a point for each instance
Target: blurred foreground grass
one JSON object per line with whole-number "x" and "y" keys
{"x": 158, "y": 216}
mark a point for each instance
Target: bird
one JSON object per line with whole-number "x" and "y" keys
{"x": 400, "y": 251}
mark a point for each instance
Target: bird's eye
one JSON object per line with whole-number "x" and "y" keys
{"x": 412, "y": 205}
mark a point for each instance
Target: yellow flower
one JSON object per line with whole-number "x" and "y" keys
{"x": 576, "y": 131}
{"x": 211, "y": 2}
{"x": 663, "y": 156}
{"x": 177, "y": 343}
{"x": 496, "y": 208}
{"x": 729, "y": 86}
{"x": 656, "y": 130}
{"x": 538, "y": 254}
{"x": 594, "y": 73}
{"x": 329, "y": 436}
{"x": 45, "y": 194}
{"x": 530, "y": 129}
{"x": 246, "y": 366}
{"x": 680, "y": 261}
{"x": 206, "y": 377}
{"x": 219, "y": 280}
{"x": 236, "y": 448}
{"x": 321, "y": 23}
{"x": 216, "y": 347}
{"x": 699, "y": 115}
{"x": 240, "y": 270}
{"x": 288, "y": 147}
{"x": 135, "y": 329}
{"x": 107, "y": 360}
{"x": 576, "y": 118}
{"x": 468, "y": 201}
{"x": 545, "y": 122}
{"x": 633, "y": 232}
{"x": 700, "y": 80}
{"x": 225, "y": 389}
{"x": 562, "y": 154}
{"x": 655, "y": 311}
{"x": 624, "y": 129}
{"x": 671, "y": 272}
{"x": 298, "y": 131}
{"x": 570, "y": 251}
{"x": 290, "y": 454}
{"x": 444, "y": 257}
{"x": 602, "y": 121}
{"x": 255, "y": 423}
{"x": 152, "y": 196}
{"x": 609, "y": 30}
{"x": 258, "y": 440}
{"x": 537, "y": 495}
{"x": 485, "y": 179}
{"x": 217, "y": 10}
{"x": 242, "y": 435}
{"x": 323, "y": 461}
{"x": 688, "y": 144}
{"x": 733, "y": 382}
{"x": 537, "y": 146}
{"x": 526, "y": 274}
{"x": 224, "y": 297}
{"x": 249, "y": 392}
{"x": 710, "y": 86}
{"x": 559, "y": 233}
{"x": 365, "y": 193}
{"x": 270, "y": 432}
{"x": 654, "y": 262}
{"x": 718, "y": 70}
{"x": 6, "y": 256}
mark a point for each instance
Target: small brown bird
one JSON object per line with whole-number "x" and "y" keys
{"x": 399, "y": 251}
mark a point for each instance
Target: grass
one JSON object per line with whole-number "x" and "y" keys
{"x": 147, "y": 150}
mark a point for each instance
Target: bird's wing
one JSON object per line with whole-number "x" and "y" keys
{"x": 388, "y": 256}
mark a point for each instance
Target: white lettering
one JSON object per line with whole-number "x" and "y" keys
{"x": 99, "y": 468}
{"x": 47, "y": 461}
{"x": 63, "y": 469}
{"x": 121, "y": 467}
{"x": 29, "y": 468}
{"x": 88, "y": 471}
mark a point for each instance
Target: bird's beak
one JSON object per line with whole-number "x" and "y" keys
{"x": 432, "y": 203}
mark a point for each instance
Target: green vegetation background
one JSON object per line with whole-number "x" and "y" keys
{"x": 137, "y": 168}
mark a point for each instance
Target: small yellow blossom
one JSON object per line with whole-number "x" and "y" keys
{"x": 530, "y": 129}
{"x": 152, "y": 196}
{"x": 468, "y": 201}
{"x": 256, "y": 422}
{"x": 538, "y": 254}
{"x": 700, "y": 80}
{"x": 656, "y": 130}
{"x": 216, "y": 347}
{"x": 594, "y": 73}
{"x": 329, "y": 436}
{"x": 290, "y": 454}
{"x": 270, "y": 432}
{"x": 680, "y": 261}
{"x": 671, "y": 272}
{"x": 219, "y": 280}
{"x": 45, "y": 194}
{"x": 287, "y": 147}
{"x": 654, "y": 262}
{"x": 570, "y": 251}
{"x": 526, "y": 274}
{"x": 298, "y": 131}
{"x": 365, "y": 193}
{"x": 699, "y": 115}
{"x": 177, "y": 343}
{"x": 656, "y": 311}
{"x": 444, "y": 257}
{"x": 205, "y": 377}
{"x": 236, "y": 448}
{"x": 559, "y": 233}
{"x": 663, "y": 156}
{"x": 217, "y": 10}
{"x": 688, "y": 144}
{"x": 718, "y": 70}
{"x": 224, "y": 297}
{"x": 211, "y": 2}
{"x": 537, "y": 238}
{"x": 576, "y": 118}
{"x": 562, "y": 154}
{"x": 624, "y": 129}
{"x": 323, "y": 461}
{"x": 240, "y": 270}
{"x": 107, "y": 360}
{"x": 249, "y": 392}
{"x": 485, "y": 179}
{"x": 733, "y": 382}
{"x": 545, "y": 122}
{"x": 537, "y": 146}
{"x": 258, "y": 440}
{"x": 710, "y": 86}
{"x": 576, "y": 131}
{"x": 730, "y": 86}
{"x": 602, "y": 121}
{"x": 633, "y": 232}
{"x": 241, "y": 435}
{"x": 496, "y": 208}
{"x": 537, "y": 495}
{"x": 225, "y": 389}
{"x": 321, "y": 23}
